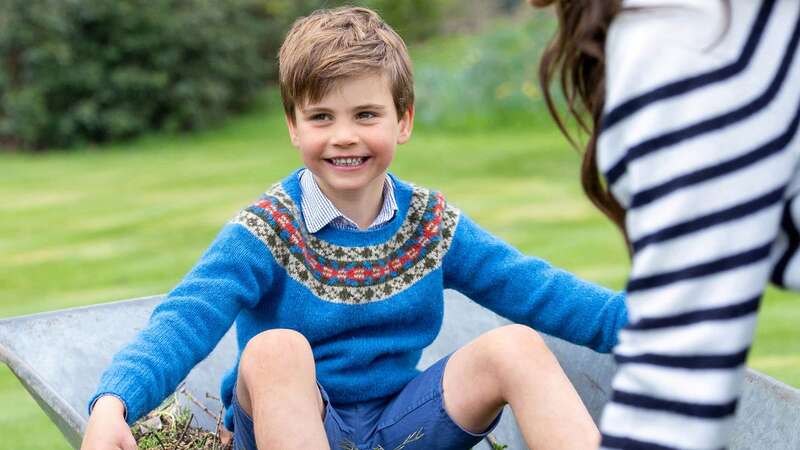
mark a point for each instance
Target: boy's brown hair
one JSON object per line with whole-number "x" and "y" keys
{"x": 332, "y": 44}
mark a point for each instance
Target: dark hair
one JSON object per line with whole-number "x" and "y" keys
{"x": 576, "y": 57}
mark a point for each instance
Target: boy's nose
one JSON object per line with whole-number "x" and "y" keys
{"x": 344, "y": 136}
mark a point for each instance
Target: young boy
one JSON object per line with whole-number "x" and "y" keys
{"x": 335, "y": 281}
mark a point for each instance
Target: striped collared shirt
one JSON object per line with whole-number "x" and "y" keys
{"x": 319, "y": 211}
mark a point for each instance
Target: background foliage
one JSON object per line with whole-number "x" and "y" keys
{"x": 483, "y": 81}
{"x": 79, "y": 71}
{"x": 92, "y": 71}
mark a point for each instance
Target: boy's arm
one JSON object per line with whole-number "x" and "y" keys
{"x": 235, "y": 272}
{"x": 530, "y": 291}
{"x": 106, "y": 428}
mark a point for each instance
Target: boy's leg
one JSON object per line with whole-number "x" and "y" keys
{"x": 277, "y": 387}
{"x": 513, "y": 365}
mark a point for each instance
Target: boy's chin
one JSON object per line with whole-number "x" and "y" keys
{"x": 356, "y": 184}
{"x": 350, "y": 188}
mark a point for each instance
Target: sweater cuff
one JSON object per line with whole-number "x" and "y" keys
{"x": 103, "y": 394}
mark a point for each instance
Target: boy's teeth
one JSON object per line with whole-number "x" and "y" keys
{"x": 347, "y": 161}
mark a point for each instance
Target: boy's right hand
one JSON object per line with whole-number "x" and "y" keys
{"x": 107, "y": 429}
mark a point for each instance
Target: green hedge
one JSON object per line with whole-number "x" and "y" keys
{"x": 80, "y": 71}
{"x": 414, "y": 20}
{"x": 493, "y": 83}
{"x": 76, "y": 71}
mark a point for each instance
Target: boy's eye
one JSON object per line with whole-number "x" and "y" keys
{"x": 321, "y": 117}
{"x": 366, "y": 115}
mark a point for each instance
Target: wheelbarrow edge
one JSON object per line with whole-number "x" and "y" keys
{"x": 65, "y": 417}
{"x": 57, "y": 409}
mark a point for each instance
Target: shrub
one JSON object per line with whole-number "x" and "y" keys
{"x": 414, "y": 20}
{"x": 80, "y": 71}
{"x": 74, "y": 71}
{"x": 494, "y": 83}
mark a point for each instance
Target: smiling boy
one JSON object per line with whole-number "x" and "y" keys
{"x": 335, "y": 279}
{"x": 347, "y": 141}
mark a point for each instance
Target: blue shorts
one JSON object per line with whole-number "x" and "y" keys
{"x": 413, "y": 419}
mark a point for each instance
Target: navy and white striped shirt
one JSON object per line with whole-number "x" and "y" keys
{"x": 319, "y": 211}
{"x": 699, "y": 144}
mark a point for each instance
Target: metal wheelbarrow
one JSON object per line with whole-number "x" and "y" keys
{"x": 59, "y": 356}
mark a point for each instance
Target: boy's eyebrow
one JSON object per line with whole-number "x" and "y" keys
{"x": 314, "y": 109}
{"x": 370, "y": 106}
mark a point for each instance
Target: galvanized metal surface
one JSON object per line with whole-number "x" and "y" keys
{"x": 58, "y": 357}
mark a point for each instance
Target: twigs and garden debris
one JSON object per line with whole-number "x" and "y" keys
{"x": 171, "y": 427}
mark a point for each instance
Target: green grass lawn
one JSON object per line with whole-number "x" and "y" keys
{"x": 98, "y": 225}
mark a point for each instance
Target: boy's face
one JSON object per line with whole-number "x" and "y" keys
{"x": 348, "y": 138}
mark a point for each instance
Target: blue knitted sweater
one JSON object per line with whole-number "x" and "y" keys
{"x": 368, "y": 302}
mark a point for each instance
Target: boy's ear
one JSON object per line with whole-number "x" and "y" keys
{"x": 290, "y": 124}
{"x": 406, "y": 125}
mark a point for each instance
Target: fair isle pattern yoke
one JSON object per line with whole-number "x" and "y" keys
{"x": 354, "y": 275}
{"x": 415, "y": 210}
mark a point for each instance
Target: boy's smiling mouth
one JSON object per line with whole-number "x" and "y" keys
{"x": 353, "y": 161}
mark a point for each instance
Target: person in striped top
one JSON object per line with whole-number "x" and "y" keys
{"x": 692, "y": 110}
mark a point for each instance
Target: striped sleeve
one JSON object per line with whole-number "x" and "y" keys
{"x": 698, "y": 143}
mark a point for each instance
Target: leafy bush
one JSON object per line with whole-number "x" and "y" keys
{"x": 73, "y": 71}
{"x": 79, "y": 71}
{"x": 494, "y": 83}
{"x": 414, "y": 20}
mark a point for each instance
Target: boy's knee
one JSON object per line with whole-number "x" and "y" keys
{"x": 278, "y": 348}
{"x": 515, "y": 343}
{"x": 279, "y": 357}
{"x": 524, "y": 334}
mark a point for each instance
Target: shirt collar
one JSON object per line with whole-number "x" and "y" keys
{"x": 318, "y": 211}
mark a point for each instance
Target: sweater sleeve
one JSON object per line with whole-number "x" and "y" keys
{"x": 234, "y": 273}
{"x": 530, "y": 291}
{"x": 695, "y": 147}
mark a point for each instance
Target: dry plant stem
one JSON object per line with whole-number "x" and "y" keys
{"x": 413, "y": 437}
{"x": 218, "y": 428}
{"x": 186, "y": 428}
{"x": 159, "y": 441}
{"x": 199, "y": 405}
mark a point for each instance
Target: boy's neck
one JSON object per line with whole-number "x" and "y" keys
{"x": 362, "y": 206}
